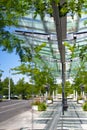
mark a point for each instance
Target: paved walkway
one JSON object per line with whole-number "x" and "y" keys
{"x": 73, "y": 119}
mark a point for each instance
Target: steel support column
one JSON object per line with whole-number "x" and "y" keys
{"x": 60, "y": 23}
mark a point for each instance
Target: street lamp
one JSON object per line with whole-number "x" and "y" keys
{"x": 82, "y": 89}
{"x": 47, "y": 87}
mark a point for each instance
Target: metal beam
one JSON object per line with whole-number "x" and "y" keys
{"x": 61, "y": 34}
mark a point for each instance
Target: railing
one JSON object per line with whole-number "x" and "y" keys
{"x": 52, "y": 124}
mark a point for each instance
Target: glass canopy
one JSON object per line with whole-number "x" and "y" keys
{"x": 35, "y": 32}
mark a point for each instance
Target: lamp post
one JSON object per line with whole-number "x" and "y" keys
{"x": 47, "y": 87}
{"x": 82, "y": 89}
{"x": 9, "y": 87}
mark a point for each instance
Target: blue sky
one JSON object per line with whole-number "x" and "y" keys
{"x": 8, "y": 61}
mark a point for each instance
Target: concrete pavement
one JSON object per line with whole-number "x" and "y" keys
{"x": 20, "y": 121}
{"x": 73, "y": 119}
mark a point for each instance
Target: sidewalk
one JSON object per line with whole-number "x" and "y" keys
{"x": 20, "y": 121}
{"x": 30, "y": 120}
{"x": 73, "y": 119}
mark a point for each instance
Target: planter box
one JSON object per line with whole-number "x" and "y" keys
{"x": 80, "y": 101}
{"x": 49, "y": 101}
{"x": 35, "y": 107}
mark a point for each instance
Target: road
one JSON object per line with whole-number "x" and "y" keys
{"x": 11, "y": 108}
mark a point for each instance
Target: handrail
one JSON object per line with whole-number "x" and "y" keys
{"x": 52, "y": 124}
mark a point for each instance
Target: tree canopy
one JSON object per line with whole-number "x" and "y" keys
{"x": 11, "y": 11}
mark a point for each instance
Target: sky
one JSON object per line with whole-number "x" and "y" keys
{"x": 8, "y": 61}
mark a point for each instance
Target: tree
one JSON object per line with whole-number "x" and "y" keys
{"x": 80, "y": 80}
{"x": 55, "y": 8}
{"x": 43, "y": 78}
{"x": 1, "y": 81}
{"x": 20, "y": 8}
{"x": 5, "y": 84}
{"x": 10, "y": 13}
{"x": 30, "y": 68}
{"x": 1, "y": 88}
{"x": 22, "y": 88}
{"x": 68, "y": 88}
{"x": 38, "y": 77}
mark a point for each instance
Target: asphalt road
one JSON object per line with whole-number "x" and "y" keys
{"x": 11, "y": 108}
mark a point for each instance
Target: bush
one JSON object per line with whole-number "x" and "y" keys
{"x": 84, "y": 106}
{"x": 80, "y": 98}
{"x": 50, "y": 98}
{"x": 0, "y": 100}
{"x": 42, "y": 107}
{"x": 36, "y": 103}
